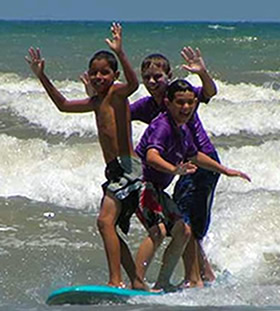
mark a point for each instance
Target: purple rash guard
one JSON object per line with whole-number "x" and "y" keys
{"x": 173, "y": 143}
{"x": 146, "y": 109}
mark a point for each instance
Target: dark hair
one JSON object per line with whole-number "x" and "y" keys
{"x": 179, "y": 85}
{"x": 158, "y": 60}
{"x": 110, "y": 57}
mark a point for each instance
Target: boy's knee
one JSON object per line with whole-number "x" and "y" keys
{"x": 158, "y": 233}
{"x": 182, "y": 229}
{"x": 102, "y": 224}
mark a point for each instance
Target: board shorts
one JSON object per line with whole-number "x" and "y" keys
{"x": 124, "y": 181}
{"x": 155, "y": 207}
{"x": 194, "y": 194}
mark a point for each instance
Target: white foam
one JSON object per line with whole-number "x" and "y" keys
{"x": 244, "y": 236}
{"x": 68, "y": 176}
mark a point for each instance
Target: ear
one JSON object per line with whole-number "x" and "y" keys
{"x": 170, "y": 75}
{"x": 117, "y": 75}
{"x": 166, "y": 101}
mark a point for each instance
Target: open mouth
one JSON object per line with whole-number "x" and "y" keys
{"x": 98, "y": 83}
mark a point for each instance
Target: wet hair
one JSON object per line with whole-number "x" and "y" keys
{"x": 158, "y": 60}
{"x": 179, "y": 85}
{"x": 110, "y": 57}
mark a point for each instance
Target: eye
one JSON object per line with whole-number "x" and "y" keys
{"x": 104, "y": 72}
{"x": 146, "y": 77}
{"x": 158, "y": 76}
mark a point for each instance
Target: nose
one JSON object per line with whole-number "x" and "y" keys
{"x": 186, "y": 105}
{"x": 98, "y": 75}
{"x": 152, "y": 80}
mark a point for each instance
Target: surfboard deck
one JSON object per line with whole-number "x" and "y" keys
{"x": 94, "y": 294}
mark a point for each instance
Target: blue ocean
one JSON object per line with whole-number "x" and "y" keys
{"x": 51, "y": 165}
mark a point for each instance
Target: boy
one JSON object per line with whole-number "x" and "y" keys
{"x": 164, "y": 145}
{"x": 156, "y": 73}
{"x": 111, "y": 109}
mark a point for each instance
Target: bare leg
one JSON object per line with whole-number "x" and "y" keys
{"x": 191, "y": 263}
{"x": 180, "y": 235}
{"x": 206, "y": 268}
{"x": 130, "y": 268}
{"x": 109, "y": 213}
{"x": 148, "y": 248}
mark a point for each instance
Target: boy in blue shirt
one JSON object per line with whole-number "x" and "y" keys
{"x": 166, "y": 143}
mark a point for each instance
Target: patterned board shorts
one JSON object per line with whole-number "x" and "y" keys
{"x": 155, "y": 207}
{"x": 124, "y": 181}
{"x": 152, "y": 206}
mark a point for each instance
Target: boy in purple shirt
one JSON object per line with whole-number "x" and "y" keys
{"x": 156, "y": 73}
{"x": 165, "y": 144}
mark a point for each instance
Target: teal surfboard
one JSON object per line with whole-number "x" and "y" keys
{"x": 94, "y": 294}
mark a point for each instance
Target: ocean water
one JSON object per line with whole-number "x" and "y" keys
{"x": 51, "y": 165}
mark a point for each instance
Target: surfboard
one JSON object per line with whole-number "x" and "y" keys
{"x": 94, "y": 294}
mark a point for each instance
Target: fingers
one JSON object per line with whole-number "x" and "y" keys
{"x": 244, "y": 176}
{"x": 35, "y": 55}
{"x": 186, "y": 168}
{"x": 84, "y": 78}
{"x": 188, "y": 53}
{"x": 27, "y": 60}
{"x": 116, "y": 28}
{"x": 108, "y": 41}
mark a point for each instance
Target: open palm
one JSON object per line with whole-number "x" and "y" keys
{"x": 35, "y": 61}
{"x": 194, "y": 60}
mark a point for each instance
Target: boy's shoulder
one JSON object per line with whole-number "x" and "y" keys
{"x": 162, "y": 123}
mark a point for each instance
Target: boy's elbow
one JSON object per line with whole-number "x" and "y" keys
{"x": 210, "y": 94}
{"x": 135, "y": 86}
{"x": 214, "y": 92}
{"x": 62, "y": 105}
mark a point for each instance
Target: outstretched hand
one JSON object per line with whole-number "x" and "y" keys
{"x": 195, "y": 62}
{"x": 235, "y": 173}
{"x": 87, "y": 84}
{"x": 36, "y": 63}
{"x": 185, "y": 168}
{"x": 116, "y": 43}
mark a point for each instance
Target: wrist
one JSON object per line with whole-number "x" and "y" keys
{"x": 203, "y": 72}
{"x": 120, "y": 53}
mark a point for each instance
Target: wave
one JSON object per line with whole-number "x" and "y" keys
{"x": 232, "y": 238}
{"x": 217, "y": 27}
{"x": 57, "y": 174}
{"x": 71, "y": 175}
{"x": 235, "y": 109}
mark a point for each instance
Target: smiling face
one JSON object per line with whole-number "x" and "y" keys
{"x": 101, "y": 75}
{"x": 155, "y": 80}
{"x": 182, "y": 106}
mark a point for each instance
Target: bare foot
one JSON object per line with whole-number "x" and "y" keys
{"x": 140, "y": 285}
{"x": 167, "y": 287}
{"x": 191, "y": 284}
{"x": 119, "y": 285}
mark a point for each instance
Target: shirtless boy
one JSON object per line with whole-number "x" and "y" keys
{"x": 111, "y": 108}
{"x": 164, "y": 145}
{"x": 156, "y": 73}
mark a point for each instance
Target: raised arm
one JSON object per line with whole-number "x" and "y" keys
{"x": 206, "y": 162}
{"x": 115, "y": 45}
{"x": 37, "y": 65}
{"x": 195, "y": 64}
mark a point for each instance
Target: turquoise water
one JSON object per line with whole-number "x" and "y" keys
{"x": 51, "y": 166}
{"x": 234, "y": 51}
